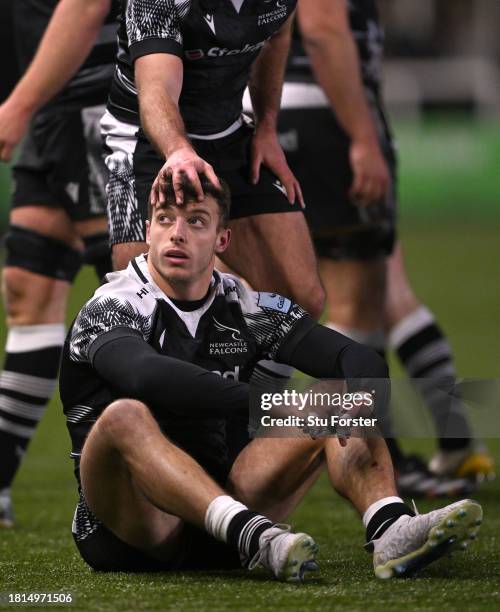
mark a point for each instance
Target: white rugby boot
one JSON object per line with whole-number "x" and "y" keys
{"x": 412, "y": 542}
{"x": 287, "y": 555}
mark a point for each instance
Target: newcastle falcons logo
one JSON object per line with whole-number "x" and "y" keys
{"x": 236, "y": 335}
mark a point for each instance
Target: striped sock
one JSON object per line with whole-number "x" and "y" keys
{"x": 230, "y": 521}
{"x": 26, "y": 385}
{"x": 426, "y": 354}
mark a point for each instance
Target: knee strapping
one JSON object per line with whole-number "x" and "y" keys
{"x": 40, "y": 254}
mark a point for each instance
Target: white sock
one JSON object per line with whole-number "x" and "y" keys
{"x": 376, "y": 506}
{"x": 219, "y": 514}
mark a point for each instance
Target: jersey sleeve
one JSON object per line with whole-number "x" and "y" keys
{"x": 102, "y": 318}
{"x": 273, "y": 320}
{"x": 154, "y": 26}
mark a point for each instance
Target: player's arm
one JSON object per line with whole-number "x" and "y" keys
{"x": 166, "y": 385}
{"x": 159, "y": 82}
{"x": 156, "y": 48}
{"x": 324, "y": 353}
{"x": 64, "y": 47}
{"x": 265, "y": 86}
{"x": 329, "y": 42}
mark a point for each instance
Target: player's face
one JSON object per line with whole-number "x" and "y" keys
{"x": 183, "y": 241}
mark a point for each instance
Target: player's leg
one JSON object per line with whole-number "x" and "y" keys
{"x": 126, "y": 206}
{"x": 91, "y": 216}
{"x": 351, "y": 243}
{"x": 44, "y": 254}
{"x": 144, "y": 488}
{"x": 424, "y": 350}
{"x": 274, "y": 252}
{"x": 41, "y": 262}
{"x": 274, "y": 474}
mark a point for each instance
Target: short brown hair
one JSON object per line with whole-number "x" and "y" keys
{"x": 222, "y": 196}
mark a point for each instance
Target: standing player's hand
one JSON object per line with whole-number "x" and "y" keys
{"x": 267, "y": 150}
{"x": 183, "y": 162}
{"x": 13, "y": 126}
{"x": 371, "y": 174}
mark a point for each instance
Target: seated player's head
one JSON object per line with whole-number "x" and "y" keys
{"x": 184, "y": 239}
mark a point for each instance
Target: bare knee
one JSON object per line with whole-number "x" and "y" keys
{"x": 313, "y": 301}
{"x": 355, "y": 292}
{"x": 122, "y": 417}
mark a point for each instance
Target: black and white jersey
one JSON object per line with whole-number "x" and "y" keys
{"x": 228, "y": 334}
{"x": 369, "y": 37}
{"x": 218, "y": 40}
{"x": 90, "y": 85}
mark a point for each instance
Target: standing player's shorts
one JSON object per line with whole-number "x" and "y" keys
{"x": 133, "y": 166}
{"x": 317, "y": 150}
{"x": 61, "y": 164}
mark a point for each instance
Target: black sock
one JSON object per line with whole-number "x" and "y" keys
{"x": 384, "y": 518}
{"x": 244, "y": 532}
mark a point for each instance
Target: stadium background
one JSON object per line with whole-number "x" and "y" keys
{"x": 443, "y": 88}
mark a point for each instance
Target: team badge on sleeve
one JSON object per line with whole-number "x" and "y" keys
{"x": 274, "y": 302}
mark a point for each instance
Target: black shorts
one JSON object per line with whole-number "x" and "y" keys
{"x": 61, "y": 164}
{"x": 317, "y": 150}
{"x": 133, "y": 166}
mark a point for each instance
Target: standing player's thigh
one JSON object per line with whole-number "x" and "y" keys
{"x": 274, "y": 252}
{"x": 42, "y": 247}
{"x": 272, "y": 475}
{"x": 114, "y": 499}
{"x": 130, "y": 178}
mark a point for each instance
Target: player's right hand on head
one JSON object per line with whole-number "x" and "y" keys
{"x": 371, "y": 177}
{"x": 13, "y": 126}
{"x": 182, "y": 163}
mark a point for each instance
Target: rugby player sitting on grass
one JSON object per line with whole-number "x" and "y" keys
{"x": 168, "y": 478}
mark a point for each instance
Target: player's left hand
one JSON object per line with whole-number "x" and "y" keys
{"x": 371, "y": 177}
{"x": 13, "y": 126}
{"x": 267, "y": 150}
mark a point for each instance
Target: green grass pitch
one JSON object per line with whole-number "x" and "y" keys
{"x": 451, "y": 266}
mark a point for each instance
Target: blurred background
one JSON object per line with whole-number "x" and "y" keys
{"x": 442, "y": 86}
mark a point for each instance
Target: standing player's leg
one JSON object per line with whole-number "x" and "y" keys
{"x": 144, "y": 494}
{"x": 42, "y": 260}
{"x": 127, "y": 201}
{"x": 91, "y": 219}
{"x": 353, "y": 245}
{"x": 45, "y": 249}
{"x": 274, "y": 252}
{"x": 415, "y": 335}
